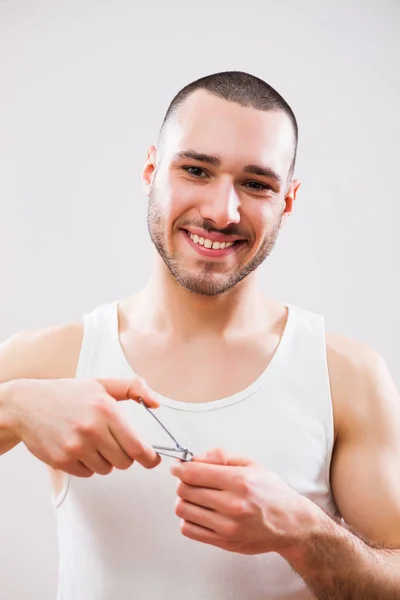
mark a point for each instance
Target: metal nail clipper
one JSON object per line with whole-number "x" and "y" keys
{"x": 177, "y": 451}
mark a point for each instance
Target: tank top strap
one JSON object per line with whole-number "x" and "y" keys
{"x": 308, "y": 343}
{"x": 100, "y": 350}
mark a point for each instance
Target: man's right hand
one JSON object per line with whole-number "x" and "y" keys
{"x": 73, "y": 424}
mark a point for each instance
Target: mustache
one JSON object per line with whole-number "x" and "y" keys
{"x": 207, "y": 226}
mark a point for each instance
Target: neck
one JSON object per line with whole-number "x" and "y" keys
{"x": 165, "y": 306}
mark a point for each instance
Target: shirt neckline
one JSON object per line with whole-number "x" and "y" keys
{"x": 239, "y": 396}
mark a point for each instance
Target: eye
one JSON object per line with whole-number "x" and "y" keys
{"x": 263, "y": 186}
{"x": 195, "y": 174}
{"x": 198, "y": 172}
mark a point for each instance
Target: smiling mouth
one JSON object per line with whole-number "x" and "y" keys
{"x": 207, "y": 247}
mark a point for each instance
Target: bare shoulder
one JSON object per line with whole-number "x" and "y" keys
{"x": 347, "y": 356}
{"x": 362, "y": 387}
{"x": 48, "y": 353}
{"x": 366, "y": 459}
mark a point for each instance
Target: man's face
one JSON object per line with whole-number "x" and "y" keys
{"x": 195, "y": 203}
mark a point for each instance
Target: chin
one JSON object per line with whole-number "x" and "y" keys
{"x": 204, "y": 285}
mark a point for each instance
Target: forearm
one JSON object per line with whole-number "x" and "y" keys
{"x": 338, "y": 565}
{"x": 8, "y": 437}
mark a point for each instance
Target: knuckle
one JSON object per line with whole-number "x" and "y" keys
{"x": 124, "y": 463}
{"x": 80, "y": 470}
{"x": 72, "y": 448}
{"x": 231, "y": 529}
{"x": 86, "y": 428}
{"x": 75, "y": 467}
{"x": 105, "y": 470}
{"x": 61, "y": 462}
{"x": 244, "y": 485}
{"x": 103, "y": 407}
{"x": 132, "y": 445}
{"x": 77, "y": 472}
{"x": 136, "y": 452}
{"x": 240, "y": 508}
{"x": 98, "y": 403}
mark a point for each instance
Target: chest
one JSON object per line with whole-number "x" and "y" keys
{"x": 200, "y": 371}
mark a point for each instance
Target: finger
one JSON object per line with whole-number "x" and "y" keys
{"x": 203, "y": 517}
{"x": 200, "y": 534}
{"x": 81, "y": 470}
{"x": 206, "y": 475}
{"x": 112, "y": 451}
{"x": 64, "y": 463}
{"x": 221, "y": 457}
{"x": 132, "y": 444}
{"x": 212, "y": 499}
{"x": 95, "y": 462}
{"x": 130, "y": 389}
{"x": 76, "y": 468}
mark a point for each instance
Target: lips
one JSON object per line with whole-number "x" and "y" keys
{"x": 214, "y": 236}
{"x": 211, "y": 252}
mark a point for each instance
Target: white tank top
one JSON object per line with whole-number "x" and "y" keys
{"x": 118, "y": 535}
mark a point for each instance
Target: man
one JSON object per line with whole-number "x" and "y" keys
{"x": 294, "y": 490}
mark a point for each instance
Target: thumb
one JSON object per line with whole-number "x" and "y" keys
{"x": 130, "y": 389}
{"x": 219, "y": 456}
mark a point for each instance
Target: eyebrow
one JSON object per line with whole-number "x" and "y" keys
{"x": 210, "y": 159}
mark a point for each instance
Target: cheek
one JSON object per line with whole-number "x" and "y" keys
{"x": 260, "y": 217}
{"x": 182, "y": 198}
{"x": 267, "y": 216}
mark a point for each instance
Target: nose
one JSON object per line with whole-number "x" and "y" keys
{"x": 222, "y": 207}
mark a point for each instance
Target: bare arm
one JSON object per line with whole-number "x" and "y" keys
{"x": 360, "y": 560}
{"x": 8, "y": 436}
{"x": 46, "y": 354}
{"x": 72, "y": 425}
{"x": 337, "y": 565}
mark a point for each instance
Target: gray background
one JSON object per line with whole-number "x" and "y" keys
{"x": 84, "y": 87}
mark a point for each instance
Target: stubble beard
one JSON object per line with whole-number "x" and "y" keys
{"x": 206, "y": 281}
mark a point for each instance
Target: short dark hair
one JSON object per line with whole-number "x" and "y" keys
{"x": 239, "y": 87}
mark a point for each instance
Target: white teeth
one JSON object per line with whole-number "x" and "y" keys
{"x": 209, "y": 243}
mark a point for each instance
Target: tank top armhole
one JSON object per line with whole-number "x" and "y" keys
{"x": 59, "y": 499}
{"x": 330, "y": 424}
{"x": 84, "y": 360}
{"x": 316, "y": 322}
{"x": 86, "y": 351}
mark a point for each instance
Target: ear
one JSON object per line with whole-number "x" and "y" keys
{"x": 149, "y": 169}
{"x": 289, "y": 199}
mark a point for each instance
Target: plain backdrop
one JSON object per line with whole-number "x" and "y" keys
{"x": 84, "y": 85}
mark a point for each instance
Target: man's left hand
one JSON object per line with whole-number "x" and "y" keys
{"x": 235, "y": 504}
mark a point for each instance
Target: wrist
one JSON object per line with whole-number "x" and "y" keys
{"x": 313, "y": 523}
{"x": 9, "y": 391}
